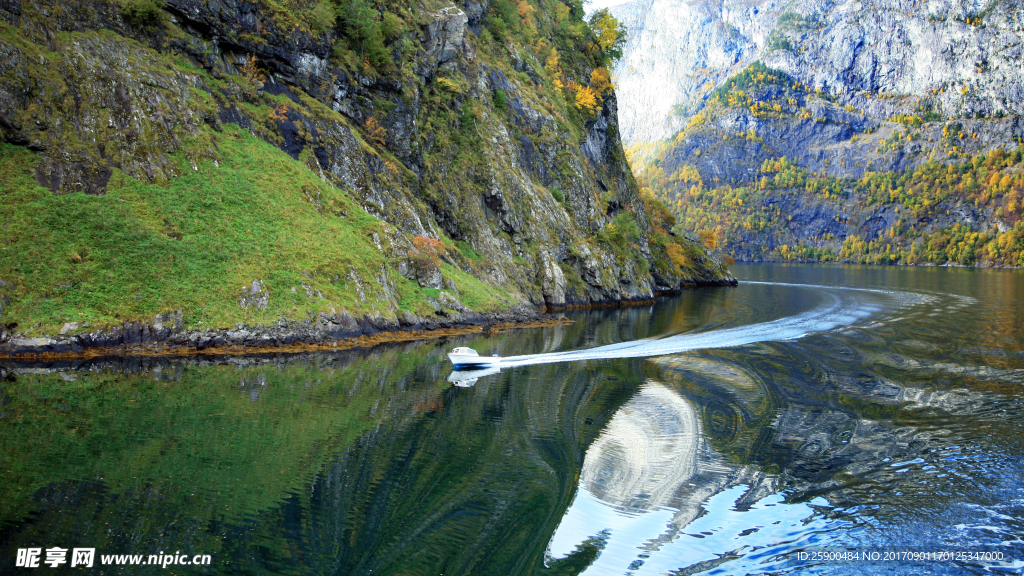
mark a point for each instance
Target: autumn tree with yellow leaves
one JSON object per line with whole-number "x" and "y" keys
{"x": 252, "y": 72}
{"x": 587, "y": 100}
{"x": 709, "y": 238}
{"x": 600, "y": 80}
{"x": 553, "y": 70}
{"x": 375, "y": 131}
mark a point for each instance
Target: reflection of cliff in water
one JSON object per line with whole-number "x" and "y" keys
{"x": 372, "y": 461}
{"x": 327, "y": 462}
{"x": 477, "y": 484}
{"x": 470, "y": 488}
{"x": 406, "y": 472}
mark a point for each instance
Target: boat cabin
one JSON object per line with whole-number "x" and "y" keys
{"x": 463, "y": 351}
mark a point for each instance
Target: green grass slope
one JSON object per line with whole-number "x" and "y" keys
{"x": 146, "y": 249}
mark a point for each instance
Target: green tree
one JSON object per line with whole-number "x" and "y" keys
{"x": 142, "y": 13}
{"x": 609, "y": 35}
{"x": 363, "y": 27}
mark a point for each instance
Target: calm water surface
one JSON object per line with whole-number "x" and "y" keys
{"x": 726, "y": 431}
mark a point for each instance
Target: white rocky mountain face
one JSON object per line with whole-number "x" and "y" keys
{"x": 677, "y": 52}
{"x": 884, "y": 57}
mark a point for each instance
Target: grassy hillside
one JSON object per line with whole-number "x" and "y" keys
{"x": 144, "y": 249}
{"x": 391, "y": 161}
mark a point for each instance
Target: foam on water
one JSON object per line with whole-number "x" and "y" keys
{"x": 842, "y": 307}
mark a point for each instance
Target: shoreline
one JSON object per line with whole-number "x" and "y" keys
{"x": 165, "y": 335}
{"x": 383, "y": 337}
{"x": 894, "y": 264}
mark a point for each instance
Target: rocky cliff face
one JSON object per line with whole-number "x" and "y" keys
{"x": 962, "y": 56}
{"x": 834, "y": 97}
{"x": 451, "y": 133}
{"x": 677, "y": 52}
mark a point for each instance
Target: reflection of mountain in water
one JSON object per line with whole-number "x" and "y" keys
{"x": 351, "y": 462}
{"x": 888, "y": 441}
{"x": 753, "y": 437}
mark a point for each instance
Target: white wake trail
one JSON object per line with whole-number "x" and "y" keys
{"x": 843, "y": 308}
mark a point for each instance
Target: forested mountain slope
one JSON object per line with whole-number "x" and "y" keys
{"x": 320, "y": 168}
{"x": 874, "y": 131}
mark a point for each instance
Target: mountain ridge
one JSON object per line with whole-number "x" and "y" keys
{"x": 866, "y": 102}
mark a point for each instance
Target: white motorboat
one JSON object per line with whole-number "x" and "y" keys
{"x": 463, "y": 357}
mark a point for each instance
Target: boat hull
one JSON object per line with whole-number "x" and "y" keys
{"x": 468, "y": 360}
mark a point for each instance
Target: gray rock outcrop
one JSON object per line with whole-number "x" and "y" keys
{"x": 254, "y": 296}
{"x": 881, "y": 56}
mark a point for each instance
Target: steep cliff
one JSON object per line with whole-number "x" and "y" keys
{"x": 676, "y": 53}
{"x": 327, "y": 167}
{"x": 855, "y": 131}
{"x": 961, "y": 55}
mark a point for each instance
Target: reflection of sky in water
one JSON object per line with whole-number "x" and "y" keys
{"x": 659, "y": 499}
{"x": 722, "y": 541}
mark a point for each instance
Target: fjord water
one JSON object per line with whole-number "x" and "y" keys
{"x": 722, "y": 431}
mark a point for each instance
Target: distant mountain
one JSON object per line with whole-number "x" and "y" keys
{"x": 964, "y": 56}
{"x": 845, "y": 124}
{"x": 677, "y": 52}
